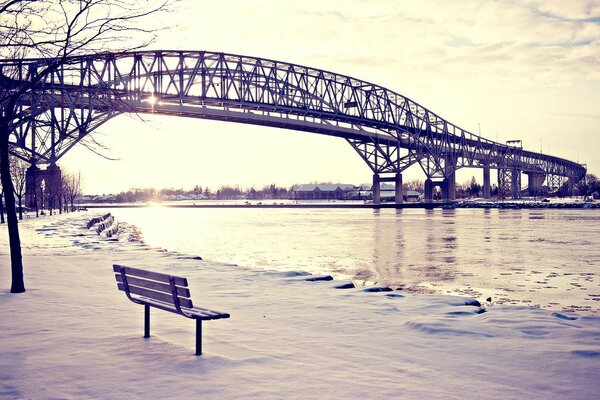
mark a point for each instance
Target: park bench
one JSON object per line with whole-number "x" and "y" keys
{"x": 165, "y": 292}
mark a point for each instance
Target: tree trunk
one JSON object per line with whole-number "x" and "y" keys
{"x": 1, "y": 208}
{"x": 21, "y": 208}
{"x": 16, "y": 259}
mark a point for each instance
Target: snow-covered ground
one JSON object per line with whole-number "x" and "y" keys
{"x": 73, "y": 335}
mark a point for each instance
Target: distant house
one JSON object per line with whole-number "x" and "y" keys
{"x": 106, "y": 198}
{"x": 83, "y": 199}
{"x": 411, "y": 195}
{"x": 387, "y": 193}
{"x": 322, "y": 192}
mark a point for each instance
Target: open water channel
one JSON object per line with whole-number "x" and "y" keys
{"x": 546, "y": 258}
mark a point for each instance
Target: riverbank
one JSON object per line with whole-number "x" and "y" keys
{"x": 336, "y": 205}
{"x": 287, "y": 337}
{"x": 528, "y": 204}
{"x": 341, "y": 204}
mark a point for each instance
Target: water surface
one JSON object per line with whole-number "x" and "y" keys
{"x": 546, "y": 258}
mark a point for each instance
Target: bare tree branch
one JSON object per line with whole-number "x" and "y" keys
{"x": 54, "y": 31}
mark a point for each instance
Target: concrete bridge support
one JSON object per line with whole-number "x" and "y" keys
{"x": 450, "y": 192}
{"x": 515, "y": 184}
{"x": 33, "y": 180}
{"x": 376, "y": 189}
{"x": 535, "y": 181}
{"x": 53, "y": 181}
{"x": 51, "y": 178}
{"x": 447, "y": 187}
{"x": 428, "y": 189}
{"x": 487, "y": 186}
{"x": 398, "y": 197}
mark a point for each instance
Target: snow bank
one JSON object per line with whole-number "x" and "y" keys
{"x": 73, "y": 335}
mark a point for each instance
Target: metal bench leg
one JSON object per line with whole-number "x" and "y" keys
{"x": 146, "y": 321}
{"x": 198, "y": 337}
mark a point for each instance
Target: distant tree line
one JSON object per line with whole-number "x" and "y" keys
{"x": 588, "y": 186}
{"x": 224, "y": 192}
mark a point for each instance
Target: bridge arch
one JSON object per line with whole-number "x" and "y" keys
{"x": 388, "y": 131}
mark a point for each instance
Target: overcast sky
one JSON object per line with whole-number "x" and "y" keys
{"x": 526, "y": 70}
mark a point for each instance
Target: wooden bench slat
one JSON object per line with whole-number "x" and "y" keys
{"x": 158, "y": 286}
{"x": 201, "y": 313}
{"x": 205, "y": 310}
{"x": 155, "y": 276}
{"x": 151, "y": 294}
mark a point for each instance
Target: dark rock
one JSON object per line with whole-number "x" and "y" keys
{"x": 377, "y": 289}
{"x": 291, "y": 274}
{"x": 489, "y": 299}
{"x": 472, "y": 302}
{"x": 394, "y": 295}
{"x": 314, "y": 278}
{"x": 190, "y": 258}
{"x": 345, "y": 285}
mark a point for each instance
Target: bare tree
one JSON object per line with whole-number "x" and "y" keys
{"x": 71, "y": 189}
{"x": 588, "y": 185}
{"x": 56, "y": 30}
{"x": 18, "y": 171}
{"x": 64, "y": 190}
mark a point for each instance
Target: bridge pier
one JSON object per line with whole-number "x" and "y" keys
{"x": 445, "y": 188}
{"x": 51, "y": 178}
{"x": 53, "y": 181}
{"x": 515, "y": 184}
{"x": 450, "y": 187}
{"x": 487, "y": 187}
{"x": 428, "y": 195}
{"x": 509, "y": 183}
{"x": 376, "y": 189}
{"x": 398, "y": 198}
{"x": 33, "y": 182}
{"x": 535, "y": 181}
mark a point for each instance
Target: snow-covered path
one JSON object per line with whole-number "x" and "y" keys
{"x": 73, "y": 335}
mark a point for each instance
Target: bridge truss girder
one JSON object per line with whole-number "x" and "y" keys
{"x": 82, "y": 94}
{"x": 383, "y": 158}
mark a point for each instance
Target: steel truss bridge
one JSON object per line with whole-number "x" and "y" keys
{"x": 389, "y": 131}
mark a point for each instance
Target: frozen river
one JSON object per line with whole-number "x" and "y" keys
{"x": 549, "y": 258}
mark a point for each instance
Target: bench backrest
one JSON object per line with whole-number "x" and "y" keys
{"x": 153, "y": 285}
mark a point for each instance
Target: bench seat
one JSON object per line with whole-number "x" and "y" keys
{"x": 165, "y": 292}
{"x": 194, "y": 313}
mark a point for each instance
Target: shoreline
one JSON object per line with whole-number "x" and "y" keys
{"x": 443, "y": 205}
{"x": 272, "y": 205}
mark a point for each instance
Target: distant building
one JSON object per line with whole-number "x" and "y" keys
{"x": 83, "y": 199}
{"x": 387, "y": 193}
{"x": 411, "y": 195}
{"x": 106, "y": 198}
{"x": 351, "y": 192}
{"x": 322, "y": 192}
